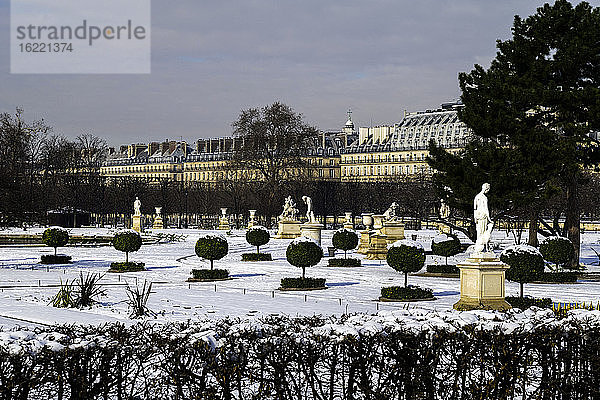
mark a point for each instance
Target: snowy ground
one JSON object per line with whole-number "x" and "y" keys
{"x": 26, "y": 286}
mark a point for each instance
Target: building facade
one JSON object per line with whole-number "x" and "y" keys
{"x": 371, "y": 154}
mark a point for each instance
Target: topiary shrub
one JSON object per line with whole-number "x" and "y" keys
{"x": 526, "y": 264}
{"x": 303, "y": 252}
{"x": 209, "y": 274}
{"x": 56, "y": 237}
{"x": 258, "y": 236}
{"x": 345, "y": 239}
{"x": 445, "y": 246}
{"x": 558, "y": 250}
{"x": 127, "y": 241}
{"x": 406, "y": 256}
{"x": 406, "y": 293}
{"x": 343, "y": 262}
{"x": 212, "y": 247}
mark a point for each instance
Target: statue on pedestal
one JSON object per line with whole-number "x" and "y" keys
{"x": 137, "y": 206}
{"x": 310, "y": 215}
{"x": 483, "y": 222}
{"x": 289, "y": 210}
{"x": 392, "y": 213}
{"x": 444, "y": 210}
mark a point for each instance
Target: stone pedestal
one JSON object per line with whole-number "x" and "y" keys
{"x": 224, "y": 224}
{"x": 393, "y": 230}
{"x": 443, "y": 228}
{"x": 288, "y": 230}
{"x": 378, "y": 247}
{"x": 158, "y": 223}
{"x": 363, "y": 242}
{"x": 251, "y": 220}
{"x": 312, "y": 231}
{"x": 482, "y": 283}
{"x": 348, "y": 222}
{"x": 137, "y": 223}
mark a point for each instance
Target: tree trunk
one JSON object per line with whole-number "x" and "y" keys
{"x": 126, "y": 257}
{"x": 211, "y": 264}
{"x": 303, "y": 272}
{"x": 572, "y": 219}
{"x": 257, "y": 249}
{"x": 406, "y": 279}
{"x": 345, "y": 254}
{"x": 533, "y": 228}
{"x": 55, "y": 252}
{"x": 521, "y": 289}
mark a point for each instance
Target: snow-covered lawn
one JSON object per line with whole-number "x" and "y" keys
{"x": 25, "y": 293}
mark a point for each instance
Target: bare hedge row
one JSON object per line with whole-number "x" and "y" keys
{"x": 300, "y": 358}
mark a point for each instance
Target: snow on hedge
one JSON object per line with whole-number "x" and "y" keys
{"x": 408, "y": 243}
{"x": 60, "y": 228}
{"x": 213, "y": 236}
{"x": 343, "y": 230}
{"x": 442, "y": 237}
{"x": 304, "y": 239}
{"x": 122, "y": 231}
{"x": 336, "y": 329}
{"x": 258, "y": 228}
{"x": 521, "y": 249}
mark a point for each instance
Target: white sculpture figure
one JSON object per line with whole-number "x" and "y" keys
{"x": 444, "y": 209}
{"x": 391, "y": 213}
{"x": 137, "y": 207}
{"x": 310, "y": 215}
{"x": 158, "y": 210}
{"x": 483, "y": 222}
{"x": 289, "y": 210}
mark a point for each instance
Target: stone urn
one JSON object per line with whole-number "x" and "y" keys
{"x": 367, "y": 219}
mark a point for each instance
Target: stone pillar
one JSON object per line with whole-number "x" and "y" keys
{"x": 393, "y": 230}
{"x": 312, "y": 231}
{"x": 288, "y": 230}
{"x": 137, "y": 223}
{"x": 348, "y": 222}
{"x": 158, "y": 221}
{"x": 482, "y": 283}
{"x": 378, "y": 247}
{"x": 251, "y": 221}
{"x": 363, "y": 242}
{"x": 223, "y": 220}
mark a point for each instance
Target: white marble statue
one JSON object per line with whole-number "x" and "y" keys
{"x": 137, "y": 207}
{"x": 289, "y": 210}
{"x": 483, "y": 222}
{"x": 444, "y": 209}
{"x": 392, "y": 213}
{"x": 158, "y": 211}
{"x": 310, "y": 215}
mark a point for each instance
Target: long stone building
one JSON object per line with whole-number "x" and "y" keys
{"x": 371, "y": 154}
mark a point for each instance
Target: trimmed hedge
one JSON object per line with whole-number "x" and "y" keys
{"x": 210, "y": 274}
{"x": 406, "y": 293}
{"x": 302, "y": 283}
{"x": 284, "y": 358}
{"x": 526, "y": 264}
{"x": 442, "y": 269}
{"x": 559, "y": 277}
{"x": 127, "y": 267}
{"x": 446, "y": 248}
{"x": 558, "y": 250}
{"x": 344, "y": 262}
{"x": 405, "y": 256}
{"x": 525, "y": 302}
{"x": 55, "y": 259}
{"x": 212, "y": 247}
{"x": 256, "y": 257}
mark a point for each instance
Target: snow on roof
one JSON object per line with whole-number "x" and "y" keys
{"x": 408, "y": 243}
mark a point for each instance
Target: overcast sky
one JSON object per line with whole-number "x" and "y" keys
{"x": 211, "y": 59}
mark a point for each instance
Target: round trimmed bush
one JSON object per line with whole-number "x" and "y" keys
{"x": 526, "y": 264}
{"x": 55, "y": 236}
{"x": 406, "y": 256}
{"x": 345, "y": 239}
{"x": 558, "y": 250}
{"x": 445, "y": 245}
{"x": 127, "y": 241}
{"x": 212, "y": 247}
{"x": 258, "y": 236}
{"x": 303, "y": 252}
